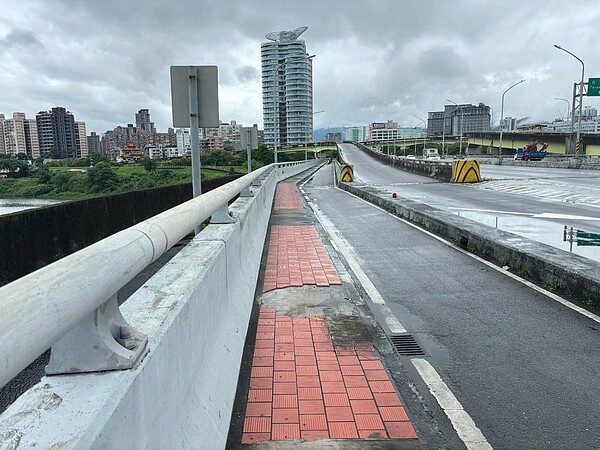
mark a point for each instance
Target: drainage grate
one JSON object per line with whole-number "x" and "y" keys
{"x": 406, "y": 345}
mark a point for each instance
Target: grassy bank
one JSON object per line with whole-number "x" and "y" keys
{"x": 63, "y": 184}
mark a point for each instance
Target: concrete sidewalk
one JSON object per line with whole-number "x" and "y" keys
{"x": 311, "y": 376}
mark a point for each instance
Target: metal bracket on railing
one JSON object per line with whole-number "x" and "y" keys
{"x": 102, "y": 341}
{"x": 246, "y": 192}
{"x": 222, "y": 216}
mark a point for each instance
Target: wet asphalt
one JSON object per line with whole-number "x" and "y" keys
{"x": 523, "y": 366}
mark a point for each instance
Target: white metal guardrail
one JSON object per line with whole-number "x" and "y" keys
{"x": 71, "y": 304}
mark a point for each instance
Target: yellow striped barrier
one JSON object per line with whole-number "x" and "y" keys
{"x": 466, "y": 171}
{"x": 347, "y": 173}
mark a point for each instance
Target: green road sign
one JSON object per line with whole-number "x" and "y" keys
{"x": 587, "y": 239}
{"x": 593, "y": 87}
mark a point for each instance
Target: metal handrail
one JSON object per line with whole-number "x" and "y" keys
{"x": 40, "y": 308}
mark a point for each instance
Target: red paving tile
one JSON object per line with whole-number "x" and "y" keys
{"x": 387, "y": 399}
{"x": 285, "y": 401}
{"x": 258, "y": 409}
{"x": 400, "y": 430}
{"x": 286, "y": 262}
{"x": 287, "y": 197}
{"x": 339, "y": 414}
{"x": 393, "y": 413}
{"x": 285, "y": 416}
{"x": 311, "y": 407}
{"x": 342, "y": 430}
{"x": 364, "y": 407}
{"x": 313, "y": 422}
{"x": 336, "y": 399}
{"x": 306, "y": 389}
{"x": 310, "y": 436}
{"x": 257, "y": 424}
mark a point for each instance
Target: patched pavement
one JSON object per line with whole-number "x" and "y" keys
{"x": 312, "y": 376}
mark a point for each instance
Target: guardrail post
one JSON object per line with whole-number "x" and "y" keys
{"x": 246, "y": 192}
{"x": 102, "y": 341}
{"x": 222, "y": 216}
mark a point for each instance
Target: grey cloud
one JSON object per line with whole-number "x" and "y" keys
{"x": 247, "y": 74}
{"x": 19, "y": 39}
{"x": 376, "y": 60}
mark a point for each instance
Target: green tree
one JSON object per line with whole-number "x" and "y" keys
{"x": 95, "y": 158}
{"x": 263, "y": 155}
{"x": 148, "y": 164}
{"x": 102, "y": 178}
{"x": 22, "y": 156}
{"x": 43, "y": 174}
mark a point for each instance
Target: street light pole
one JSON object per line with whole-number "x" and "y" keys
{"x": 306, "y": 142}
{"x": 461, "y": 125}
{"x": 276, "y": 96}
{"x": 502, "y": 114}
{"x": 578, "y": 138}
{"x": 568, "y": 109}
{"x": 424, "y": 134}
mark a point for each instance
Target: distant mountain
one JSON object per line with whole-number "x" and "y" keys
{"x": 319, "y": 134}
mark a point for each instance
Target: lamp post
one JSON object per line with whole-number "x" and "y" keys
{"x": 578, "y": 138}
{"x": 424, "y": 134}
{"x": 461, "y": 125}
{"x": 502, "y": 114}
{"x": 568, "y": 109}
{"x": 276, "y": 96}
{"x": 306, "y": 142}
{"x": 444, "y": 132}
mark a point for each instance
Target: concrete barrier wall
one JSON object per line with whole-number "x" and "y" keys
{"x": 195, "y": 312}
{"x": 574, "y": 276}
{"x": 552, "y": 162}
{"x": 436, "y": 169}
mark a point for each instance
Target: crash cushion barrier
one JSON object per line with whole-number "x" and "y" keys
{"x": 347, "y": 173}
{"x": 561, "y": 272}
{"x": 195, "y": 311}
{"x": 466, "y": 171}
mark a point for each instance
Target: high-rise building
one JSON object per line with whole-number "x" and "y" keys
{"x": 93, "y": 142}
{"x": 142, "y": 121}
{"x": 459, "y": 119}
{"x": 2, "y": 120}
{"x": 32, "y": 142}
{"x": 81, "y": 140}
{"x": 19, "y": 135}
{"x": 287, "y": 89}
{"x": 57, "y": 133}
{"x": 14, "y": 134}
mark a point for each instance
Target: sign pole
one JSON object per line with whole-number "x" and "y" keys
{"x": 194, "y": 134}
{"x": 248, "y": 148}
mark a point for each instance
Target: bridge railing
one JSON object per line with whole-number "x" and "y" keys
{"x": 71, "y": 304}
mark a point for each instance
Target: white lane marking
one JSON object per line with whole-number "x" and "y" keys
{"x": 465, "y": 427}
{"x": 564, "y": 216}
{"x": 390, "y": 319}
{"x": 512, "y": 213}
{"x": 542, "y": 291}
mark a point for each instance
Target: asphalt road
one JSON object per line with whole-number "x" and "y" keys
{"x": 523, "y": 366}
{"x": 532, "y": 202}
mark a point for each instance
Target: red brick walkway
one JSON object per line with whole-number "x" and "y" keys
{"x": 287, "y": 197}
{"x": 297, "y": 257}
{"x": 302, "y": 387}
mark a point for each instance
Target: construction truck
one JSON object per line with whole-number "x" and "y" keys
{"x": 531, "y": 152}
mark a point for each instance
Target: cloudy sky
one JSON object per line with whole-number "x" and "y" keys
{"x": 376, "y": 60}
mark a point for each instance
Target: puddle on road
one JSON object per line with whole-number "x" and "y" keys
{"x": 584, "y": 243}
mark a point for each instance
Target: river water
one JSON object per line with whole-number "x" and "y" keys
{"x": 12, "y": 205}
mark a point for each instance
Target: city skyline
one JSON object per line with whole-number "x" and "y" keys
{"x": 374, "y": 62}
